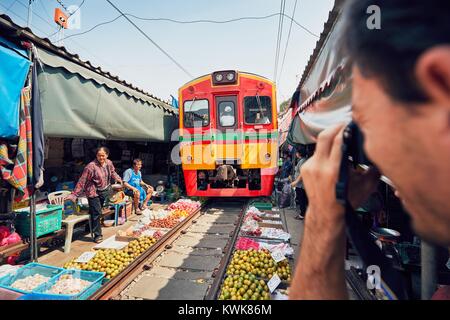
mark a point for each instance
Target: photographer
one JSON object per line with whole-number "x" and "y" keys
{"x": 401, "y": 102}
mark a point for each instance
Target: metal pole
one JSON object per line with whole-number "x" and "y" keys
{"x": 33, "y": 238}
{"x": 428, "y": 254}
{"x": 30, "y": 13}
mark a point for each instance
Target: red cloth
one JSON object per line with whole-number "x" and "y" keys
{"x": 95, "y": 177}
{"x": 442, "y": 293}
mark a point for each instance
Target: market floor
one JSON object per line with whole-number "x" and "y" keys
{"x": 83, "y": 242}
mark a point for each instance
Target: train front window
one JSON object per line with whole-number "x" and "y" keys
{"x": 196, "y": 113}
{"x": 258, "y": 110}
{"x": 227, "y": 113}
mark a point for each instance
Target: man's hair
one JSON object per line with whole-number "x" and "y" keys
{"x": 104, "y": 149}
{"x": 136, "y": 161}
{"x": 408, "y": 28}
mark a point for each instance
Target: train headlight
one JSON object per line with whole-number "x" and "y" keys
{"x": 219, "y": 77}
{"x": 268, "y": 156}
{"x": 189, "y": 158}
{"x": 230, "y": 76}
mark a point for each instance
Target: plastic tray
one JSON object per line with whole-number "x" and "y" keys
{"x": 29, "y": 270}
{"x": 94, "y": 277}
{"x": 48, "y": 220}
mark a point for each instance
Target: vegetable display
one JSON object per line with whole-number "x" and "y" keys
{"x": 29, "y": 283}
{"x": 68, "y": 284}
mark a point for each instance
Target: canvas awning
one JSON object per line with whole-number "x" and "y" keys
{"x": 80, "y": 103}
{"x": 325, "y": 88}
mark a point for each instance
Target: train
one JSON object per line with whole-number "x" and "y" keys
{"x": 228, "y": 135}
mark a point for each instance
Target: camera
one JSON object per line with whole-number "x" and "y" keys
{"x": 352, "y": 155}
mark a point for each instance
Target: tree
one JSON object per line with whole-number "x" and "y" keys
{"x": 285, "y": 105}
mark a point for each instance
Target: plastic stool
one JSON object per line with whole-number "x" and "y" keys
{"x": 70, "y": 222}
{"x": 117, "y": 207}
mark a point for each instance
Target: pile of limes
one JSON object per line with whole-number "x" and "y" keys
{"x": 259, "y": 263}
{"x": 112, "y": 261}
{"x": 246, "y": 287}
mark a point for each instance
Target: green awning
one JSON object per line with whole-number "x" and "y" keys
{"x": 79, "y": 103}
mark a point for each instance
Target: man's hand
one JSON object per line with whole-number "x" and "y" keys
{"x": 320, "y": 174}
{"x": 71, "y": 197}
{"x": 320, "y": 270}
{"x": 135, "y": 191}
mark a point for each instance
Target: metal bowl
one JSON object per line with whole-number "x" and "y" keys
{"x": 385, "y": 233}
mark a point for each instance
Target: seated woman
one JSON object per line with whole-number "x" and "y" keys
{"x": 132, "y": 179}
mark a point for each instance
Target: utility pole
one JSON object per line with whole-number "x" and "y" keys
{"x": 30, "y": 13}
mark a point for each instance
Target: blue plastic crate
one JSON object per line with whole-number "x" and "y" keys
{"x": 94, "y": 277}
{"x": 29, "y": 270}
{"x": 39, "y": 296}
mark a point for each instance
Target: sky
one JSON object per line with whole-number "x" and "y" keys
{"x": 202, "y": 48}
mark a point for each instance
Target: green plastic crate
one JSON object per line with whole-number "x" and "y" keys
{"x": 48, "y": 220}
{"x": 262, "y": 205}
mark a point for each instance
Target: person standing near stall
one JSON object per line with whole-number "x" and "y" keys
{"x": 300, "y": 194}
{"x": 95, "y": 182}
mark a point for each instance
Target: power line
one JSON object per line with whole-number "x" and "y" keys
{"x": 193, "y": 22}
{"x": 38, "y": 15}
{"x": 279, "y": 38}
{"x": 153, "y": 42}
{"x": 12, "y": 4}
{"x": 287, "y": 42}
{"x": 94, "y": 27}
{"x": 74, "y": 42}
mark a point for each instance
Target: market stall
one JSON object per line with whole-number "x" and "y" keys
{"x": 261, "y": 263}
{"x": 82, "y": 276}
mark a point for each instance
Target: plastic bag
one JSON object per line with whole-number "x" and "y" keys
{"x": 285, "y": 196}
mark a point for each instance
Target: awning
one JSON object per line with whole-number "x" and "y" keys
{"x": 80, "y": 103}
{"x": 325, "y": 89}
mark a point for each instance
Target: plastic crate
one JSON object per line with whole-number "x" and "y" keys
{"x": 48, "y": 220}
{"x": 262, "y": 205}
{"x": 92, "y": 276}
{"x": 29, "y": 270}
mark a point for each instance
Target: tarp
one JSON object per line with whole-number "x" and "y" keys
{"x": 79, "y": 103}
{"x": 326, "y": 91}
{"x": 14, "y": 68}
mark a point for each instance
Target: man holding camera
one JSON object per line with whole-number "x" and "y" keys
{"x": 401, "y": 102}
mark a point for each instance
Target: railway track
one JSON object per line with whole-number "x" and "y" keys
{"x": 184, "y": 263}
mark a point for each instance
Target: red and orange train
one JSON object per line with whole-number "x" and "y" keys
{"x": 228, "y": 135}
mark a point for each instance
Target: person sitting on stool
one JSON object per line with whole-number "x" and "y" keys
{"x": 132, "y": 179}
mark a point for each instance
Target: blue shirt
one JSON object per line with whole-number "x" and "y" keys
{"x": 132, "y": 178}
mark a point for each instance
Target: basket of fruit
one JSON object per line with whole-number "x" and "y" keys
{"x": 29, "y": 277}
{"x": 72, "y": 284}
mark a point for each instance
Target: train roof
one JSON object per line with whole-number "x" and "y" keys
{"x": 240, "y": 72}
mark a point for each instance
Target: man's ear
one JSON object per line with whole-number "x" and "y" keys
{"x": 433, "y": 73}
